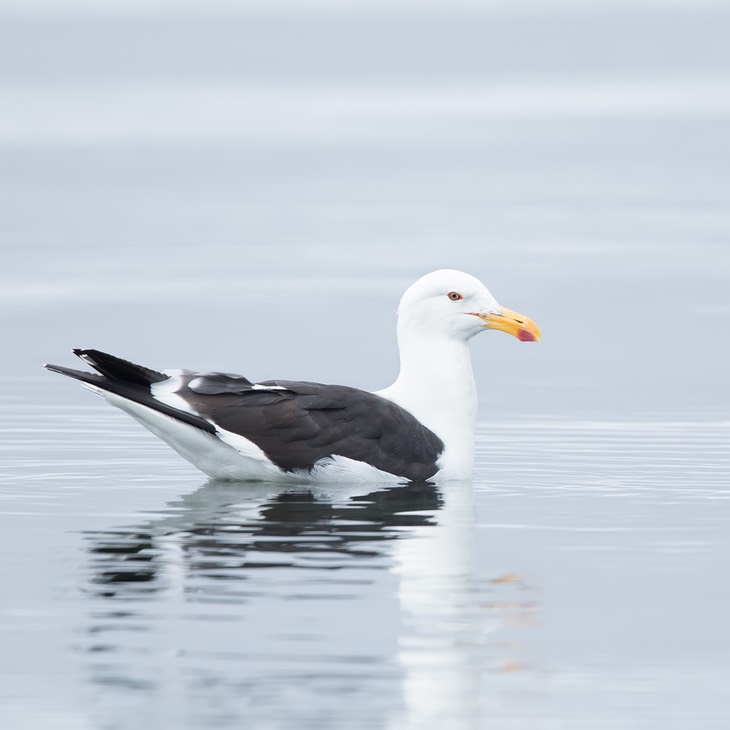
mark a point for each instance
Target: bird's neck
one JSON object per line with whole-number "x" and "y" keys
{"x": 436, "y": 384}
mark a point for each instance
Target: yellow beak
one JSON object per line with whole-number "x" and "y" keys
{"x": 517, "y": 325}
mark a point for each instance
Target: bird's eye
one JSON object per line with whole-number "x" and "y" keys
{"x": 454, "y": 296}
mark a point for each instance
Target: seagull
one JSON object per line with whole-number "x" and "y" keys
{"x": 419, "y": 429}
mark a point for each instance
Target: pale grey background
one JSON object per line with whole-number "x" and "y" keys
{"x": 249, "y": 187}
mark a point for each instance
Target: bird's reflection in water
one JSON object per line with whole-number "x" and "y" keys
{"x": 221, "y": 531}
{"x": 241, "y": 594}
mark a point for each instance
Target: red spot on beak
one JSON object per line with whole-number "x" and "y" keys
{"x": 525, "y": 336}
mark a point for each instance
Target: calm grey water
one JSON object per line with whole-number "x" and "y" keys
{"x": 579, "y": 581}
{"x": 249, "y": 187}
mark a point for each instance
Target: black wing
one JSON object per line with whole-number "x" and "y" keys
{"x": 296, "y": 424}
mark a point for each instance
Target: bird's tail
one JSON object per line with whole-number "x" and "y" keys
{"x": 131, "y": 382}
{"x": 112, "y": 371}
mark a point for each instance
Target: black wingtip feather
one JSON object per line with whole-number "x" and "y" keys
{"x": 76, "y": 374}
{"x": 117, "y": 369}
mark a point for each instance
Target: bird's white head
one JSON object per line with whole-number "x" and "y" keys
{"x": 456, "y": 305}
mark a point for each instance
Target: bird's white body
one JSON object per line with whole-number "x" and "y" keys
{"x": 436, "y": 381}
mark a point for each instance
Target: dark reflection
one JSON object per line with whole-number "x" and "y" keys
{"x": 222, "y": 531}
{"x": 132, "y": 551}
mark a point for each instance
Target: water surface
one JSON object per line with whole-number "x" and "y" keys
{"x": 576, "y": 582}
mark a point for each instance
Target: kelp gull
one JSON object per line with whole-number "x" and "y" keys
{"x": 420, "y": 428}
